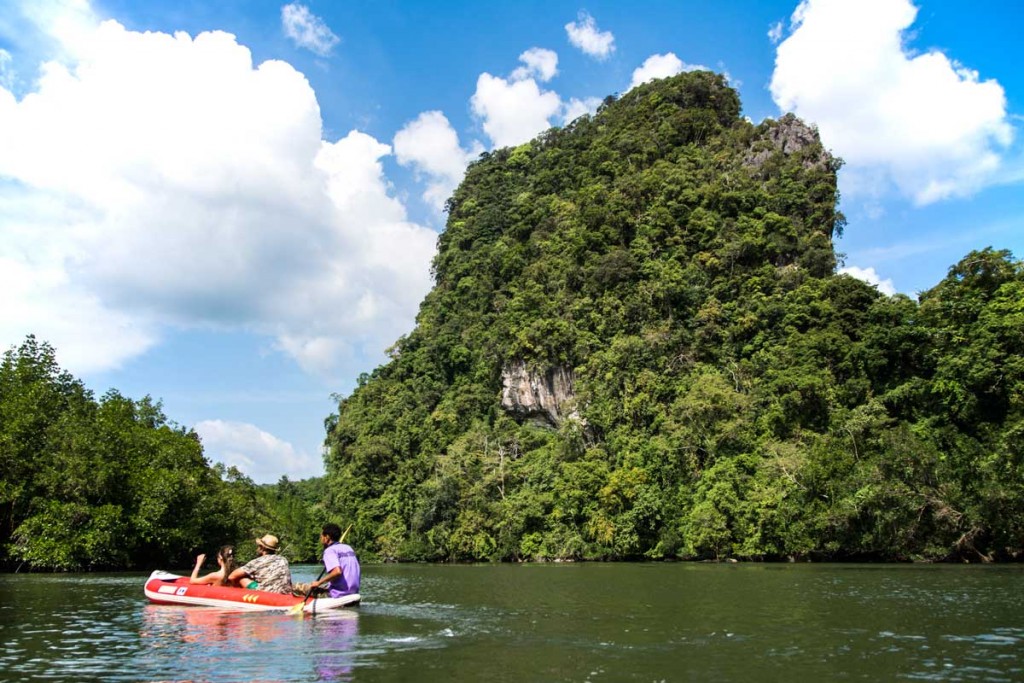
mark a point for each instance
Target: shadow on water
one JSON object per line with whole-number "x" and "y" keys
{"x": 597, "y": 622}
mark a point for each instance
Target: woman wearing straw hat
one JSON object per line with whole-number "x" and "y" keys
{"x": 269, "y": 570}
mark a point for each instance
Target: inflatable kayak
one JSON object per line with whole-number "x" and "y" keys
{"x": 172, "y": 589}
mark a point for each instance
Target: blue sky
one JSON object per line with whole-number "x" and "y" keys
{"x": 232, "y": 206}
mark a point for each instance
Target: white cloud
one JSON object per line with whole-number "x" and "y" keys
{"x": 584, "y": 34}
{"x": 7, "y": 75}
{"x": 539, "y": 63}
{"x": 575, "y": 108}
{"x": 661, "y": 66}
{"x": 513, "y": 111}
{"x": 152, "y": 180}
{"x": 259, "y": 454}
{"x": 86, "y": 334}
{"x": 307, "y": 30}
{"x": 431, "y": 146}
{"x": 871, "y": 277}
{"x": 775, "y": 32}
{"x": 926, "y": 123}
{"x": 66, "y": 23}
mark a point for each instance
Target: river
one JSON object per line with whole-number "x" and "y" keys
{"x": 567, "y": 622}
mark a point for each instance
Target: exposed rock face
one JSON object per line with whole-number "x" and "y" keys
{"x": 547, "y": 398}
{"x": 790, "y": 136}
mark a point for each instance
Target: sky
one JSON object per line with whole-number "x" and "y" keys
{"x": 232, "y": 207}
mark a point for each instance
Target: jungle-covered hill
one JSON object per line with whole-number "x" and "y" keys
{"x": 637, "y": 347}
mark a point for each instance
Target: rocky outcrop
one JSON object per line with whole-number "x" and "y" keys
{"x": 546, "y": 398}
{"x": 791, "y": 136}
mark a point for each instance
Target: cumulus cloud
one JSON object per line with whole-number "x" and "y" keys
{"x": 513, "y": 111}
{"x": 259, "y": 454}
{"x": 87, "y": 335}
{"x": 922, "y": 121}
{"x": 154, "y": 180}
{"x": 584, "y": 34}
{"x": 431, "y": 146}
{"x": 661, "y": 66}
{"x": 538, "y": 63}
{"x": 575, "y": 108}
{"x": 775, "y": 32}
{"x": 307, "y": 30}
{"x": 7, "y": 75}
{"x": 869, "y": 276}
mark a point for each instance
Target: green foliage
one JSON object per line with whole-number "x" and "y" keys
{"x": 735, "y": 397}
{"x": 89, "y": 484}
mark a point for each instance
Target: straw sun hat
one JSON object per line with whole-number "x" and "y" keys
{"x": 268, "y": 542}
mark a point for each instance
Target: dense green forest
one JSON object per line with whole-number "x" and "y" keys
{"x": 637, "y": 347}
{"x": 112, "y": 484}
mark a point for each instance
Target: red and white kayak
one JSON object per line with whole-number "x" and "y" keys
{"x": 173, "y": 589}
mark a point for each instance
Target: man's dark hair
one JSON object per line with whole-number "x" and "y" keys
{"x": 332, "y": 531}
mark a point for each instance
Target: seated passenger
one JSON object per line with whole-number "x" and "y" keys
{"x": 226, "y": 560}
{"x": 269, "y": 570}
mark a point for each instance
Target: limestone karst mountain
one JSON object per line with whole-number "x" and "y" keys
{"x": 637, "y": 346}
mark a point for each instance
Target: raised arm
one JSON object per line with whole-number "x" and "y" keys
{"x": 211, "y": 578}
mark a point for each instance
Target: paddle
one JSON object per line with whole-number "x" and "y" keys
{"x": 297, "y": 609}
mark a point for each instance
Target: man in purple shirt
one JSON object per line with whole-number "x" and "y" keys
{"x": 340, "y": 564}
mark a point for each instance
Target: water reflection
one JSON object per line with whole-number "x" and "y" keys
{"x": 337, "y": 634}
{"x": 196, "y": 643}
{"x": 535, "y": 622}
{"x": 205, "y": 625}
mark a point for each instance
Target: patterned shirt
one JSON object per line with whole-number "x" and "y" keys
{"x": 341, "y": 555}
{"x": 271, "y": 572}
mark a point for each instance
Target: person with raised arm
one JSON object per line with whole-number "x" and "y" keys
{"x": 227, "y": 564}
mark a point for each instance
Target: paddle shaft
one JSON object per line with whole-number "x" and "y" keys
{"x": 299, "y": 607}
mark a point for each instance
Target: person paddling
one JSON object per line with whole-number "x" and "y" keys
{"x": 269, "y": 570}
{"x": 340, "y": 563}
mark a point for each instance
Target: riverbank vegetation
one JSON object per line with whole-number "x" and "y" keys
{"x": 111, "y": 483}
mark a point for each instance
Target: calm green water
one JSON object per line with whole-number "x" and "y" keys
{"x": 586, "y": 622}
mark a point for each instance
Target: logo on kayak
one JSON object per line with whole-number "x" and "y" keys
{"x": 181, "y": 591}
{"x": 251, "y": 597}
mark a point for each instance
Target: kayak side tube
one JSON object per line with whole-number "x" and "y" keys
{"x": 164, "y": 588}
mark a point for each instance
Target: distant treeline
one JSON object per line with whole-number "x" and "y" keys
{"x": 731, "y": 395}
{"x": 111, "y": 484}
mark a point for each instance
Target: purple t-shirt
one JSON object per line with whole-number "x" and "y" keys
{"x": 341, "y": 555}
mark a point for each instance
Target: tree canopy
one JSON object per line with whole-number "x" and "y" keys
{"x": 112, "y": 484}
{"x": 731, "y": 395}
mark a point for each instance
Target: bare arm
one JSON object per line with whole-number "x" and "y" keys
{"x": 327, "y": 577}
{"x": 200, "y": 558}
{"x": 212, "y": 577}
